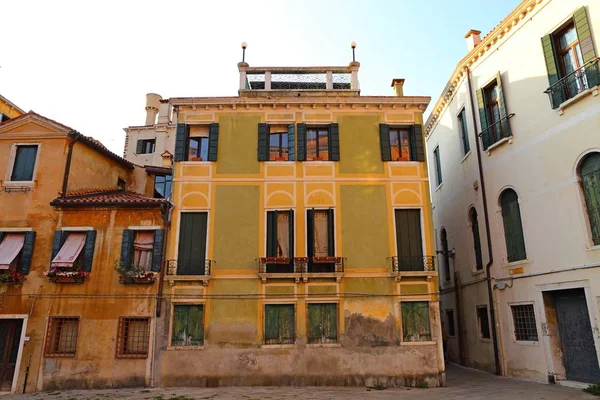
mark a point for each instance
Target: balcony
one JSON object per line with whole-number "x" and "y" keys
{"x": 413, "y": 266}
{"x": 189, "y": 270}
{"x": 574, "y": 83}
{"x": 300, "y": 268}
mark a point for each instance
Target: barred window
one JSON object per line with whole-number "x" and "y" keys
{"x": 61, "y": 337}
{"x": 484, "y": 322}
{"x": 524, "y": 320}
{"x": 133, "y": 337}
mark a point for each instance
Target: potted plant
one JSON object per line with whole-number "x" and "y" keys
{"x": 128, "y": 275}
{"x": 66, "y": 275}
{"x": 11, "y": 277}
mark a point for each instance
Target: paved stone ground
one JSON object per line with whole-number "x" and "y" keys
{"x": 463, "y": 383}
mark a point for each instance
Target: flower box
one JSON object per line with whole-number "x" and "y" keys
{"x": 66, "y": 275}
{"x": 67, "y": 279}
{"x": 11, "y": 278}
{"x": 141, "y": 280}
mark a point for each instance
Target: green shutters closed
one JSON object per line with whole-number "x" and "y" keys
{"x": 263, "y": 142}
{"x": 464, "y": 133}
{"x": 415, "y": 321}
{"x": 188, "y": 325}
{"x": 409, "y": 242}
{"x": 291, "y": 143}
{"x": 301, "y": 128}
{"x": 438, "y": 166}
{"x": 322, "y": 323}
{"x": 280, "y": 324}
{"x": 334, "y": 142}
{"x": 26, "y": 255}
{"x": 513, "y": 228}
{"x": 476, "y": 238}
{"x": 24, "y": 164}
{"x": 590, "y": 183}
{"x": 213, "y": 142}
{"x": 384, "y": 141}
{"x": 192, "y": 244}
{"x": 181, "y": 135}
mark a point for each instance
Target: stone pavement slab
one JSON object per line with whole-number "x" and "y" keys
{"x": 463, "y": 383}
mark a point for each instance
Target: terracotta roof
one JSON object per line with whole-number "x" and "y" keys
{"x": 106, "y": 197}
{"x": 33, "y": 113}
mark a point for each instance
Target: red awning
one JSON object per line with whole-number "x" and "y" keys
{"x": 10, "y": 248}
{"x": 69, "y": 251}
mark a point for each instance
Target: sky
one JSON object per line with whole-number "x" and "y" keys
{"x": 89, "y": 64}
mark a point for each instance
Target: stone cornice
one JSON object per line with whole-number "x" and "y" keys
{"x": 487, "y": 44}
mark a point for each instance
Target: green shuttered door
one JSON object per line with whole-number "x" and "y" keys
{"x": 188, "y": 325}
{"x": 409, "y": 242}
{"x": 322, "y": 323}
{"x": 192, "y": 244}
{"x": 513, "y": 228}
{"x": 280, "y": 325}
{"x": 590, "y": 182}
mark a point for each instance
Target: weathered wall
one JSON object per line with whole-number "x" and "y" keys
{"x": 86, "y": 163}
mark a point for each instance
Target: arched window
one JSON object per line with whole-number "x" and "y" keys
{"x": 476, "y": 239}
{"x": 590, "y": 183}
{"x": 445, "y": 255}
{"x": 513, "y": 228}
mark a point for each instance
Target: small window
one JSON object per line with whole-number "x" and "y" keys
{"x": 322, "y": 323}
{"x": 589, "y": 174}
{"x": 483, "y": 322}
{"x": 400, "y": 144}
{"x": 188, "y": 325}
{"x": 198, "y": 143}
{"x": 524, "y": 321}
{"x": 278, "y": 144}
{"x": 513, "y": 227}
{"x": 317, "y": 144}
{"x": 464, "y": 133}
{"x": 11, "y": 245}
{"x": 132, "y": 337}
{"x": 445, "y": 254}
{"x": 61, "y": 337}
{"x": 24, "y": 164}
{"x": 162, "y": 186}
{"x": 70, "y": 254}
{"x": 146, "y": 146}
{"x": 450, "y": 319}
{"x": 143, "y": 244}
{"x": 121, "y": 184}
{"x": 497, "y": 129}
{"x": 438, "y": 166}
{"x": 280, "y": 324}
{"x": 476, "y": 239}
{"x": 415, "y": 321}
{"x": 4, "y": 117}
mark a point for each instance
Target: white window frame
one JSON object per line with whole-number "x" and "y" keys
{"x": 512, "y": 323}
{"x": 11, "y": 165}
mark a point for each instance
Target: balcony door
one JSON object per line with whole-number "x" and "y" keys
{"x": 320, "y": 237}
{"x": 191, "y": 258}
{"x": 409, "y": 240}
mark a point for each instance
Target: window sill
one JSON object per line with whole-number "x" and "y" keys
{"x": 593, "y": 248}
{"x": 187, "y": 278}
{"x": 485, "y": 340}
{"x": 399, "y": 162}
{"x": 594, "y": 91}
{"x": 424, "y": 343}
{"x": 195, "y": 162}
{"x": 465, "y": 156}
{"x": 176, "y": 348}
{"x": 499, "y": 143}
{"x": 277, "y": 346}
{"x": 526, "y": 342}
{"x": 18, "y": 186}
{"x": 319, "y": 162}
{"x": 439, "y": 186}
{"x": 516, "y": 263}
{"x": 478, "y": 272}
{"x": 264, "y": 276}
{"x": 324, "y": 345}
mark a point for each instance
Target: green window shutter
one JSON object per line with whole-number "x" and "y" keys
{"x": 157, "y": 250}
{"x": 503, "y": 110}
{"x": 584, "y": 35}
{"x": 291, "y": 143}
{"x": 301, "y": 128}
{"x": 191, "y": 254}
{"x": 590, "y": 182}
{"x": 322, "y": 323}
{"x": 483, "y": 119}
{"x": 57, "y": 242}
{"x": 24, "y": 263}
{"x": 417, "y": 148}
{"x": 330, "y": 322}
{"x": 334, "y": 142}
{"x": 384, "y": 142}
{"x": 310, "y": 235}
{"x": 213, "y": 142}
{"x": 513, "y": 228}
{"x": 287, "y": 324}
{"x": 280, "y": 324}
{"x": 88, "y": 251}
{"x": 188, "y": 325}
{"x": 181, "y": 142}
{"x": 556, "y": 96}
{"x": 330, "y": 233}
{"x": 271, "y": 324}
{"x": 271, "y": 233}
{"x": 139, "y": 147}
{"x": 291, "y": 244}
{"x": 127, "y": 248}
{"x": 263, "y": 142}
{"x": 415, "y": 321}
{"x": 315, "y": 318}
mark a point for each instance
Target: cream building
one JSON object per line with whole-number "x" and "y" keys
{"x": 517, "y": 212}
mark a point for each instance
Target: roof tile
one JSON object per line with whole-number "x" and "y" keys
{"x": 107, "y": 197}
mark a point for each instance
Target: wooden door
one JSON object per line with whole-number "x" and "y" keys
{"x": 192, "y": 244}
{"x": 10, "y": 335}
{"x": 409, "y": 242}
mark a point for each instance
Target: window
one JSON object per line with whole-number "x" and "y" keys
{"x": 192, "y": 244}
{"x": 399, "y": 144}
{"x": 188, "y": 325}
{"x": 146, "y": 146}
{"x": 73, "y": 251}
{"x": 464, "y": 133}
{"x": 11, "y": 245}
{"x": 132, "y": 337}
{"x": 445, "y": 254}
{"x": 483, "y": 322}
{"x": 322, "y": 323}
{"x": 280, "y": 324}
{"x": 196, "y": 142}
{"x": 513, "y": 229}
{"x": 61, "y": 336}
{"x": 317, "y": 144}
{"x": 143, "y": 244}
{"x": 141, "y": 251}
{"x": 524, "y": 323}
{"x": 570, "y": 59}
{"x": 24, "y": 164}
{"x": 409, "y": 241}
{"x": 438, "y": 166}
{"x": 276, "y": 142}
{"x": 415, "y": 321}
{"x": 121, "y": 184}
{"x": 280, "y": 240}
{"x": 476, "y": 239}
{"x": 320, "y": 240}
{"x": 4, "y": 117}
{"x": 278, "y": 146}
{"x": 450, "y": 319}
{"x": 162, "y": 186}
{"x": 589, "y": 173}
{"x": 493, "y": 114}
{"x": 198, "y": 149}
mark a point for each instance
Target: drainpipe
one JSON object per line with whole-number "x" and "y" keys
{"x": 487, "y": 232}
{"x": 68, "y": 165}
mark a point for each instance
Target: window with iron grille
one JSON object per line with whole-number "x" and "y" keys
{"x": 132, "y": 337}
{"x": 484, "y": 323}
{"x": 61, "y": 337}
{"x": 524, "y": 321}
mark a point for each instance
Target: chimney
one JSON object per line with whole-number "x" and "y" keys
{"x": 163, "y": 112}
{"x": 152, "y": 104}
{"x": 397, "y": 84}
{"x": 473, "y": 39}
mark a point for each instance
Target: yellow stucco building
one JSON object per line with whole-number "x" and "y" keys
{"x": 300, "y": 247}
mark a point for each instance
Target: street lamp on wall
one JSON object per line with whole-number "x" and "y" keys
{"x": 244, "y": 45}
{"x": 353, "y": 45}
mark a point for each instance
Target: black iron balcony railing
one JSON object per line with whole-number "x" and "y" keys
{"x": 574, "y": 83}
{"x": 496, "y": 131}
{"x": 326, "y": 264}
{"x": 413, "y": 263}
{"x": 300, "y": 265}
{"x": 189, "y": 267}
{"x": 277, "y": 265}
